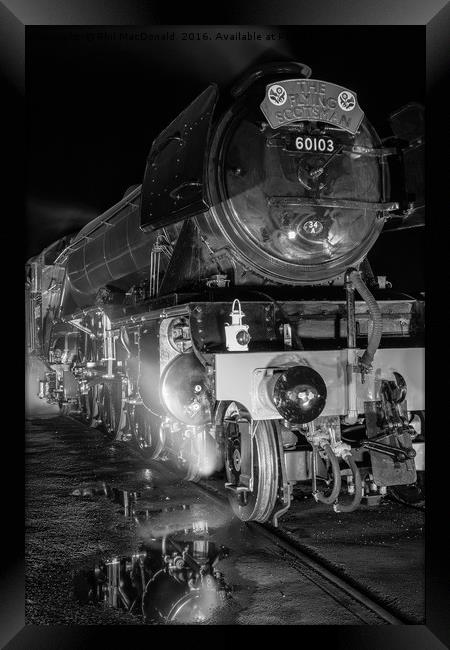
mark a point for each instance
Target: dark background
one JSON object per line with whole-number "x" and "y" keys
{"x": 96, "y": 102}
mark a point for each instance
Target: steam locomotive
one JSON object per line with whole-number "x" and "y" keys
{"x": 224, "y": 314}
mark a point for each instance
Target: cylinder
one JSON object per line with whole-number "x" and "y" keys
{"x": 185, "y": 390}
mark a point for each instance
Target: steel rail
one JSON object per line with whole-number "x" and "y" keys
{"x": 300, "y": 558}
{"x": 355, "y": 598}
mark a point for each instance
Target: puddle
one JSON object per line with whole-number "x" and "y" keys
{"x": 173, "y": 578}
{"x": 158, "y": 519}
{"x": 170, "y": 580}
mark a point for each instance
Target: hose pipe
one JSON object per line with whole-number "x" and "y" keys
{"x": 319, "y": 496}
{"x": 350, "y": 507}
{"x": 375, "y": 314}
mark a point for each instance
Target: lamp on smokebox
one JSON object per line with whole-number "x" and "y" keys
{"x": 237, "y": 335}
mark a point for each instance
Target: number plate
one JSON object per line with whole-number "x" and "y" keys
{"x": 312, "y": 144}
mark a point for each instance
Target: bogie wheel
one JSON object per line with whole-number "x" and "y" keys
{"x": 148, "y": 433}
{"x": 199, "y": 455}
{"x": 90, "y": 406}
{"x": 187, "y": 458}
{"x": 64, "y": 409}
{"x": 410, "y": 495}
{"x": 86, "y": 407}
{"x": 109, "y": 408}
{"x": 258, "y": 504}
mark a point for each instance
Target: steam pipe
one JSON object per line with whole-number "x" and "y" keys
{"x": 319, "y": 496}
{"x": 375, "y": 313}
{"x": 350, "y": 299}
{"x": 353, "y": 280}
{"x": 352, "y": 358}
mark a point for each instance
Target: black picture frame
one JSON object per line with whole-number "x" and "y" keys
{"x": 434, "y": 17}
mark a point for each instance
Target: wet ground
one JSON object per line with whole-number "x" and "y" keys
{"x": 101, "y": 525}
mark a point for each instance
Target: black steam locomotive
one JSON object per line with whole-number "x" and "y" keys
{"x": 210, "y": 316}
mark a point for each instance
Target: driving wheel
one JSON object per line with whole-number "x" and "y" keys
{"x": 148, "y": 433}
{"x": 257, "y": 503}
{"x": 109, "y": 411}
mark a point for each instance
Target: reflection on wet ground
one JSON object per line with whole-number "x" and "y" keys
{"x": 130, "y": 501}
{"x": 112, "y": 539}
{"x": 166, "y": 581}
{"x": 156, "y": 512}
{"x": 170, "y": 579}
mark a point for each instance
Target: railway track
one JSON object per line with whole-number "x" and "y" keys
{"x": 351, "y": 596}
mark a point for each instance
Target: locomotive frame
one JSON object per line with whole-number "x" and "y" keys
{"x": 131, "y": 318}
